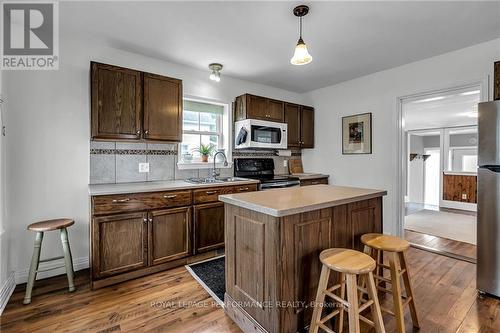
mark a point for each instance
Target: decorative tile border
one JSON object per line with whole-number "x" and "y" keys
{"x": 132, "y": 152}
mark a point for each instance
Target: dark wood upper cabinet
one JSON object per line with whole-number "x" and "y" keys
{"x": 116, "y": 102}
{"x": 256, "y": 107}
{"x": 208, "y": 227}
{"x": 275, "y": 110}
{"x": 162, "y": 108}
{"x": 169, "y": 234}
{"x": 307, "y": 127}
{"x": 496, "y": 83}
{"x": 119, "y": 244}
{"x": 300, "y": 120}
{"x": 132, "y": 105}
{"x": 292, "y": 118}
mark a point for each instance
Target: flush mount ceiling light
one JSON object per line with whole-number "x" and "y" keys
{"x": 301, "y": 56}
{"x": 215, "y": 68}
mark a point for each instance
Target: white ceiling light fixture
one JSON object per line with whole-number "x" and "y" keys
{"x": 301, "y": 56}
{"x": 215, "y": 68}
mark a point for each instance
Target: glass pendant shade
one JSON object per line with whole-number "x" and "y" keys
{"x": 301, "y": 56}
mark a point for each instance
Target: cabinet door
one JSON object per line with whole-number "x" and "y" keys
{"x": 496, "y": 83}
{"x": 116, "y": 102}
{"x": 364, "y": 217}
{"x": 119, "y": 244}
{"x": 256, "y": 107}
{"x": 307, "y": 127}
{"x": 162, "y": 108}
{"x": 169, "y": 231}
{"x": 208, "y": 226}
{"x": 292, "y": 118}
{"x": 275, "y": 110}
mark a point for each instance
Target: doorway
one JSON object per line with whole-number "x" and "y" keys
{"x": 440, "y": 162}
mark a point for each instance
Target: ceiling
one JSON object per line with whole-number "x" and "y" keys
{"x": 255, "y": 40}
{"x": 458, "y": 108}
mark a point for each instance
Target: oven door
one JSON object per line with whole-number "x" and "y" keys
{"x": 261, "y": 134}
{"x": 269, "y": 186}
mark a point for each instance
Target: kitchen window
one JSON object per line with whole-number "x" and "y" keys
{"x": 203, "y": 123}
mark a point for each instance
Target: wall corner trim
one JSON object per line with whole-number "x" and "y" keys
{"x": 6, "y": 291}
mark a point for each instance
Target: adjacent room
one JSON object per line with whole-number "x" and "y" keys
{"x": 442, "y": 161}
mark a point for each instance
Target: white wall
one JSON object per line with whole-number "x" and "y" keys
{"x": 416, "y": 170}
{"x": 48, "y": 139}
{"x": 377, "y": 93}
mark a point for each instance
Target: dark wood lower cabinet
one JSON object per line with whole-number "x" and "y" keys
{"x": 169, "y": 234}
{"x": 208, "y": 227}
{"x": 119, "y": 244}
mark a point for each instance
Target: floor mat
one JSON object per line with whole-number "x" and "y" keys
{"x": 211, "y": 275}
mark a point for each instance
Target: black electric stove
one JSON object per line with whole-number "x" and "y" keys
{"x": 262, "y": 169}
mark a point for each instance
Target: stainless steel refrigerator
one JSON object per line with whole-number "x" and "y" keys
{"x": 488, "y": 208}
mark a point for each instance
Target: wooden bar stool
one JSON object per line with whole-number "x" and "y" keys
{"x": 350, "y": 264}
{"x": 40, "y": 228}
{"x": 395, "y": 248}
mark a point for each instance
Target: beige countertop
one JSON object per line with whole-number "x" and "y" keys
{"x": 294, "y": 200}
{"x": 138, "y": 187}
{"x": 306, "y": 176}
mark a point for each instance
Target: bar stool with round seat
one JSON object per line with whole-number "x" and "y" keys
{"x": 395, "y": 248}
{"x": 350, "y": 264}
{"x": 40, "y": 228}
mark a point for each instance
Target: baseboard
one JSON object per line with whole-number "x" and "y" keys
{"x": 6, "y": 291}
{"x": 21, "y": 276}
{"x": 459, "y": 205}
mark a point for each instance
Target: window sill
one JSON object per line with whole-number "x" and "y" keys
{"x": 202, "y": 165}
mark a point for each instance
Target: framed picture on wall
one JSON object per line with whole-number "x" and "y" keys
{"x": 357, "y": 134}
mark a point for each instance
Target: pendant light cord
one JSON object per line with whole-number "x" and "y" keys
{"x": 300, "y": 27}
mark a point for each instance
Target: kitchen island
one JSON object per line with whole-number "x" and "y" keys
{"x": 273, "y": 241}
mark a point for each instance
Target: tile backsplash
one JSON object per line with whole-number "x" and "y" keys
{"x": 118, "y": 162}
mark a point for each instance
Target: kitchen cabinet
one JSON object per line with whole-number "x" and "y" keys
{"x": 300, "y": 120}
{"x": 136, "y": 234}
{"x": 257, "y": 107}
{"x": 116, "y": 102}
{"x": 208, "y": 226}
{"x": 162, "y": 108}
{"x": 119, "y": 243}
{"x": 169, "y": 234}
{"x": 132, "y": 105}
{"x": 315, "y": 181}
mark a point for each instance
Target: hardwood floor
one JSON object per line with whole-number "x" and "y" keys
{"x": 173, "y": 301}
{"x": 442, "y": 244}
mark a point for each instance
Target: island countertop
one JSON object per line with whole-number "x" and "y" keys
{"x": 294, "y": 200}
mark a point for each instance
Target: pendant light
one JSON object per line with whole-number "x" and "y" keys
{"x": 215, "y": 68}
{"x": 301, "y": 56}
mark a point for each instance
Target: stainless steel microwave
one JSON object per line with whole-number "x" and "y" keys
{"x": 252, "y": 133}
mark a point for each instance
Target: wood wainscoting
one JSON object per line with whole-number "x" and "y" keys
{"x": 461, "y": 188}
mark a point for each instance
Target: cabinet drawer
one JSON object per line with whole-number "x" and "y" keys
{"x": 109, "y": 204}
{"x": 211, "y": 194}
{"x": 317, "y": 181}
{"x": 245, "y": 188}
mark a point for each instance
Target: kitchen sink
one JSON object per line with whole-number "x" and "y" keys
{"x": 214, "y": 181}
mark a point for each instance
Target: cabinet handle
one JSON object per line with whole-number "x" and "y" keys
{"x": 120, "y": 200}
{"x": 243, "y": 189}
{"x": 170, "y": 196}
{"x": 138, "y": 132}
{"x": 145, "y": 219}
{"x": 146, "y": 132}
{"x": 211, "y": 192}
{"x": 314, "y": 183}
{"x": 150, "y": 220}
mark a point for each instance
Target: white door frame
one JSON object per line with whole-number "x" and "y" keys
{"x": 483, "y": 85}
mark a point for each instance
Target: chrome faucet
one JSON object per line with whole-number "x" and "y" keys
{"x": 215, "y": 174}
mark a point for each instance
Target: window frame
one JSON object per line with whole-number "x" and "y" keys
{"x": 223, "y": 133}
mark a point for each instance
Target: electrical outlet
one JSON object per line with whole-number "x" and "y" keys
{"x": 285, "y": 163}
{"x": 143, "y": 167}
{"x": 464, "y": 196}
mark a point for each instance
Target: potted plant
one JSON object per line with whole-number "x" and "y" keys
{"x": 205, "y": 151}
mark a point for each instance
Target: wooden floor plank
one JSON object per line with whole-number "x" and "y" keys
{"x": 441, "y": 244}
{"x": 172, "y": 301}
